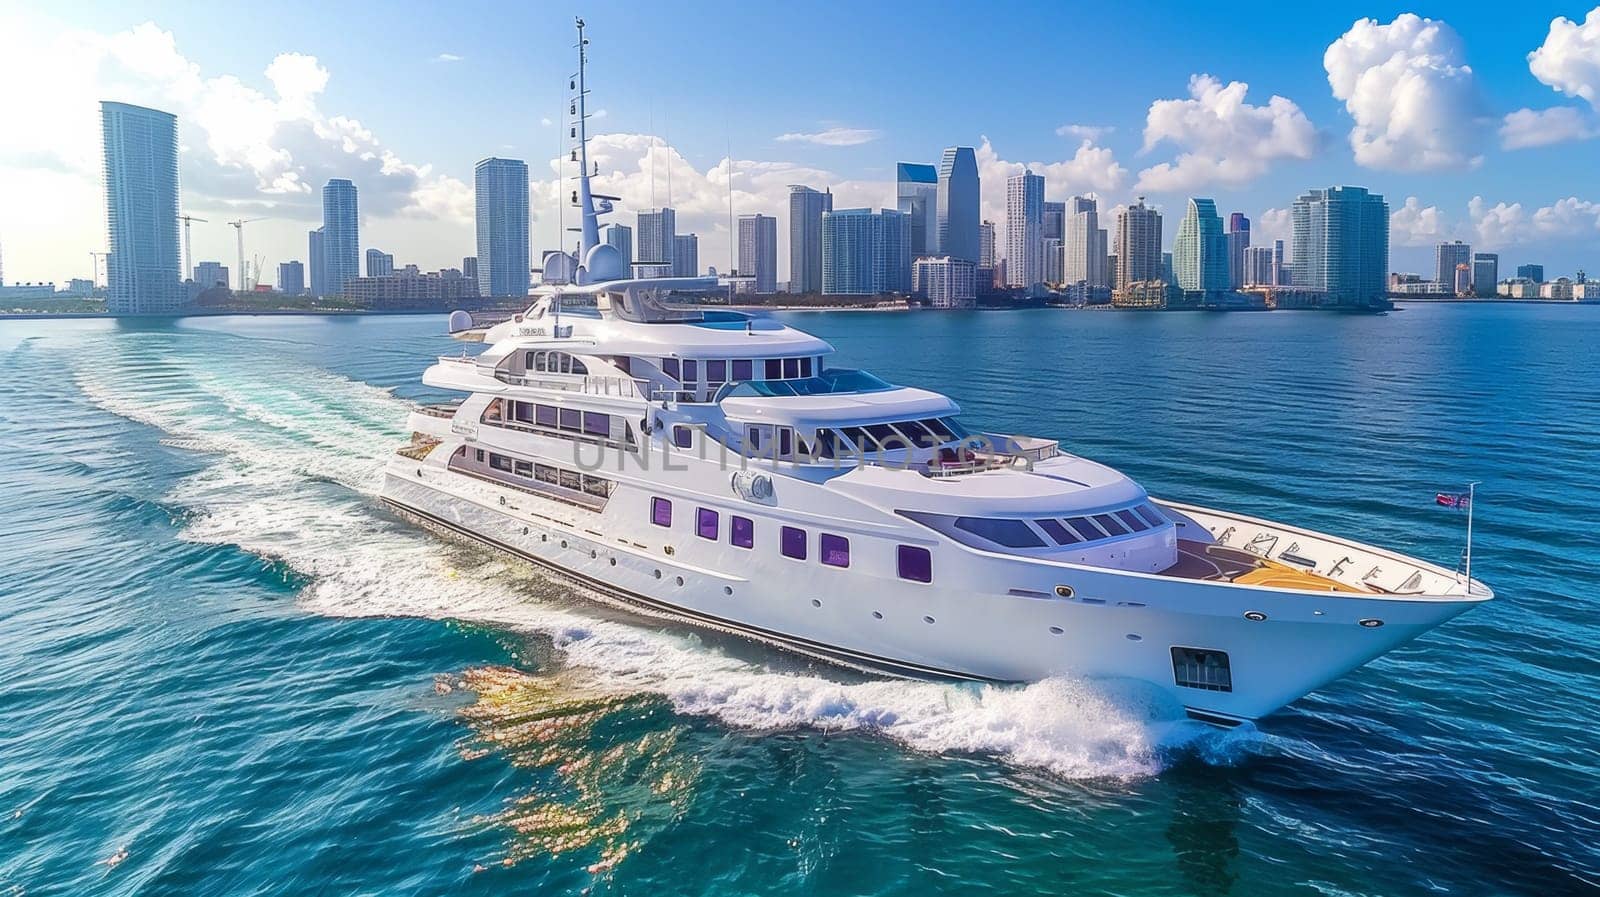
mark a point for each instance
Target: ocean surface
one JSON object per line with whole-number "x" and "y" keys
{"x": 225, "y": 669}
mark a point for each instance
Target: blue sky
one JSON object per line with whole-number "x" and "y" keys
{"x": 890, "y": 82}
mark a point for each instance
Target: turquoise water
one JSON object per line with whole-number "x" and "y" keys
{"x": 227, "y": 670}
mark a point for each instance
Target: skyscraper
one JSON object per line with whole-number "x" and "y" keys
{"x": 317, "y": 258}
{"x": 758, "y": 254}
{"x": 210, "y": 275}
{"x": 1084, "y": 244}
{"x": 865, "y": 252}
{"x": 620, "y": 236}
{"x": 1258, "y": 266}
{"x": 806, "y": 208}
{"x": 379, "y": 263}
{"x": 1534, "y": 273}
{"x": 1200, "y": 250}
{"x": 917, "y": 196}
{"x": 657, "y": 228}
{"x": 1055, "y": 221}
{"x": 1238, "y": 242}
{"x": 685, "y": 255}
{"x": 1341, "y": 244}
{"x": 341, "y": 234}
{"x": 501, "y": 191}
{"x": 291, "y": 278}
{"x": 1024, "y": 230}
{"x": 1050, "y": 260}
{"x": 1485, "y": 273}
{"x": 1138, "y": 244}
{"x": 1280, "y": 271}
{"x": 958, "y": 203}
{"x": 1446, "y": 257}
{"x": 469, "y": 269}
{"x": 986, "y": 245}
{"x": 141, "y": 178}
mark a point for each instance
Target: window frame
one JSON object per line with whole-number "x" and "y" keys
{"x": 792, "y": 536}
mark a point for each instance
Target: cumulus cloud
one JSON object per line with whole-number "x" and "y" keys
{"x": 1413, "y": 224}
{"x": 1569, "y": 58}
{"x": 1501, "y": 224}
{"x": 1270, "y": 225}
{"x": 1543, "y": 127}
{"x": 1221, "y": 138}
{"x": 1091, "y": 170}
{"x": 1415, "y": 101}
{"x": 1506, "y": 224}
{"x": 1086, "y": 132}
{"x": 837, "y": 136}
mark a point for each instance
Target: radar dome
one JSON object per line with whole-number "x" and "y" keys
{"x": 459, "y": 321}
{"x": 604, "y": 262}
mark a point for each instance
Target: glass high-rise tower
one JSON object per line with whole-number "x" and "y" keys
{"x": 1341, "y": 245}
{"x": 1200, "y": 250}
{"x": 501, "y": 189}
{"x": 341, "y": 235}
{"x": 806, "y": 208}
{"x": 141, "y": 177}
{"x": 917, "y": 195}
{"x": 958, "y": 203}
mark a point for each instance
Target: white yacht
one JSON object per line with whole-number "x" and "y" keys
{"x": 724, "y": 469}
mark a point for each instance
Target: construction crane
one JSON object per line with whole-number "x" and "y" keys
{"x": 188, "y": 253}
{"x": 239, "y": 226}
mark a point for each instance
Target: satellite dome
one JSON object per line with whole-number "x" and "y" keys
{"x": 604, "y": 262}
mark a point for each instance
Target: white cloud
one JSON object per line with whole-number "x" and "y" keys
{"x": 1086, "y": 132}
{"x": 1273, "y": 224}
{"x": 1506, "y": 224}
{"x": 1221, "y": 138}
{"x": 546, "y": 122}
{"x": 1570, "y": 217}
{"x": 1091, "y": 170}
{"x": 1415, "y": 101}
{"x": 1501, "y": 224}
{"x": 1543, "y": 127}
{"x": 837, "y": 136}
{"x": 448, "y": 57}
{"x": 1414, "y": 224}
{"x": 1569, "y": 58}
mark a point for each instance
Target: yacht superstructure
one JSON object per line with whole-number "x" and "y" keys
{"x": 721, "y": 468}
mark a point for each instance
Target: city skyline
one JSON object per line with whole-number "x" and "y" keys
{"x": 298, "y": 110}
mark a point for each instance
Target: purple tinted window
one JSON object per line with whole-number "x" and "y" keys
{"x": 716, "y": 371}
{"x": 1110, "y": 525}
{"x": 791, "y": 368}
{"x": 691, "y": 370}
{"x": 705, "y": 523}
{"x": 774, "y": 368}
{"x": 785, "y": 441}
{"x": 669, "y": 366}
{"x": 596, "y": 424}
{"x": 742, "y": 531}
{"x": 571, "y": 419}
{"x": 743, "y": 369}
{"x": 916, "y": 564}
{"x": 793, "y": 543}
{"x": 835, "y": 550}
{"x": 805, "y": 367}
{"x": 1060, "y": 534}
{"x": 682, "y": 437}
{"x": 545, "y": 415}
{"x": 660, "y": 512}
{"x": 1134, "y": 523}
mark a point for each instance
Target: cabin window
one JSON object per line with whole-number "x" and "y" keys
{"x": 1110, "y": 524}
{"x": 691, "y": 370}
{"x": 705, "y": 523}
{"x": 915, "y": 563}
{"x": 669, "y": 366}
{"x": 571, "y": 419}
{"x": 805, "y": 367}
{"x": 1057, "y": 533}
{"x": 1151, "y": 515}
{"x": 716, "y": 371}
{"x": 500, "y": 462}
{"x": 938, "y": 429}
{"x": 774, "y": 368}
{"x": 742, "y": 532}
{"x": 1086, "y": 528}
{"x": 480, "y": 455}
{"x": 791, "y": 368}
{"x": 827, "y": 446}
{"x": 835, "y": 550}
{"x": 545, "y": 415}
{"x": 792, "y": 542}
{"x": 1001, "y": 531}
{"x": 916, "y": 434}
{"x": 1201, "y": 668}
{"x": 523, "y": 468}
{"x": 597, "y": 486}
{"x": 682, "y": 436}
{"x": 660, "y": 512}
{"x": 753, "y": 437}
{"x": 785, "y": 442}
{"x": 571, "y": 479}
{"x": 1135, "y": 524}
{"x": 596, "y": 424}
{"x": 743, "y": 369}
{"x": 544, "y": 473}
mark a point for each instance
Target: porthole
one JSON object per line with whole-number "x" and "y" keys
{"x": 563, "y": 543}
{"x": 1371, "y": 623}
{"x": 928, "y": 620}
{"x": 1135, "y": 637}
{"x": 1255, "y": 616}
{"x": 613, "y": 562}
{"x": 593, "y": 554}
{"x": 667, "y": 549}
{"x": 1064, "y": 591}
{"x": 544, "y": 537}
{"x": 502, "y": 501}
{"x": 876, "y": 615}
{"x": 727, "y": 590}
{"x": 1056, "y": 630}
{"x": 658, "y": 574}
{"x": 680, "y": 580}
{"x": 815, "y": 603}
{"x": 524, "y": 531}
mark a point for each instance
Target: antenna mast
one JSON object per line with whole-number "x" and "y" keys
{"x": 590, "y": 235}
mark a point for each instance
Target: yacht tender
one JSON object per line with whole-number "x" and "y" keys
{"x": 719, "y": 467}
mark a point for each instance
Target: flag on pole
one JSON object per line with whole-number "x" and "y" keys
{"x": 1458, "y": 500}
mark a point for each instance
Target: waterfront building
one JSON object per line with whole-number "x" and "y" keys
{"x": 1447, "y": 256}
{"x": 1280, "y": 272}
{"x": 1050, "y": 253}
{"x": 341, "y": 234}
{"x": 806, "y": 208}
{"x": 1259, "y": 267}
{"x": 143, "y": 267}
{"x": 945, "y": 282}
{"x": 1341, "y": 245}
{"x": 685, "y": 255}
{"x": 500, "y": 188}
{"x": 658, "y": 230}
{"x": 379, "y": 263}
{"x": 1084, "y": 257}
{"x": 410, "y": 288}
{"x": 209, "y": 275}
{"x": 758, "y": 254}
{"x": 620, "y": 236}
{"x": 291, "y": 278}
{"x": 1142, "y": 294}
{"x": 1534, "y": 273}
{"x": 1560, "y": 288}
{"x": 1024, "y": 227}
{"x": 1054, "y": 225}
{"x": 469, "y": 268}
{"x": 1485, "y": 273}
{"x": 958, "y": 203}
{"x": 986, "y": 245}
{"x": 1200, "y": 251}
{"x": 317, "y": 258}
{"x": 1462, "y": 282}
{"x": 917, "y": 197}
{"x": 1138, "y": 244}
{"x": 1238, "y": 242}
{"x": 865, "y": 252}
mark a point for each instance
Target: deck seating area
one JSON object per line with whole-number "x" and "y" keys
{"x": 1219, "y": 563}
